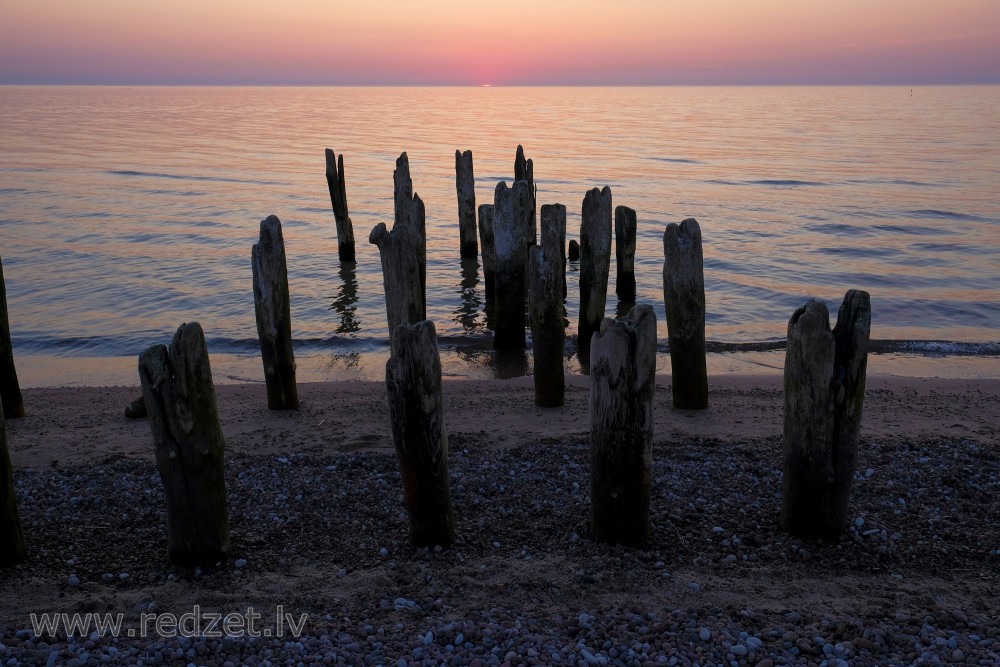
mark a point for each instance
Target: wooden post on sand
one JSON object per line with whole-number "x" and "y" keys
{"x": 465, "y": 185}
{"x": 12, "y": 551}
{"x": 554, "y": 222}
{"x": 274, "y": 317}
{"x": 625, "y": 253}
{"x": 548, "y": 332}
{"x": 511, "y": 214}
{"x": 187, "y": 436}
{"x": 684, "y": 297}
{"x": 595, "y": 263}
{"x": 10, "y": 390}
{"x": 489, "y": 251}
{"x": 404, "y": 302}
{"x": 338, "y": 198}
{"x": 825, "y": 376}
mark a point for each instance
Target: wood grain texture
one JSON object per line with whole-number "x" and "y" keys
{"x": 10, "y": 390}
{"x": 595, "y": 263}
{"x": 409, "y": 212}
{"x": 274, "y": 318}
{"x": 625, "y": 253}
{"x": 12, "y": 550}
{"x": 554, "y": 223}
{"x": 489, "y": 250}
{"x": 511, "y": 214}
{"x": 548, "y": 331}
{"x": 335, "y": 181}
{"x": 684, "y": 299}
{"x": 404, "y": 302}
{"x": 465, "y": 186}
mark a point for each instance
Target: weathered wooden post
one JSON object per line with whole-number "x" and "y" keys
{"x": 524, "y": 170}
{"x": 574, "y": 251}
{"x": 413, "y": 380}
{"x": 409, "y": 212}
{"x": 187, "y": 436}
{"x": 824, "y": 393}
{"x": 404, "y": 302}
{"x": 338, "y": 198}
{"x": 622, "y": 379}
{"x": 274, "y": 316}
{"x": 625, "y": 253}
{"x": 684, "y": 297}
{"x": 489, "y": 251}
{"x": 10, "y": 390}
{"x": 554, "y": 222}
{"x": 595, "y": 262}
{"x": 12, "y": 550}
{"x": 511, "y": 212}
{"x": 465, "y": 184}
{"x": 548, "y": 333}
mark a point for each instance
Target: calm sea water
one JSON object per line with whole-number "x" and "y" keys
{"x": 126, "y": 211}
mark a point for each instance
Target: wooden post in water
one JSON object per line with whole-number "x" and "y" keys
{"x": 465, "y": 185}
{"x": 595, "y": 263}
{"x": 684, "y": 297}
{"x": 400, "y": 276}
{"x": 413, "y": 380}
{"x": 489, "y": 251}
{"x": 274, "y": 317}
{"x": 338, "y": 198}
{"x": 10, "y": 390}
{"x": 524, "y": 170}
{"x": 409, "y": 212}
{"x": 187, "y": 436}
{"x": 622, "y": 379}
{"x": 511, "y": 214}
{"x": 824, "y": 393}
{"x": 12, "y": 550}
{"x": 625, "y": 253}
{"x": 548, "y": 332}
{"x": 574, "y": 251}
{"x": 554, "y": 223}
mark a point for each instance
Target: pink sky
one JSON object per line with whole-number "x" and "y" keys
{"x": 470, "y": 42}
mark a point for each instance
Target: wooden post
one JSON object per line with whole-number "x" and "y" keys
{"x": 409, "y": 212}
{"x": 824, "y": 393}
{"x": 489, "y": 251}
{"x": 625, "y": 253}
{"x": 511, "y": 213}
{"x": 184, "y": 420}
{"x": 274, "y": 317}
{"x": 400, "y": 276}
{"x": 10, "y": 390}
{"x": 574, "y": 251}
{"x": 338, "y": 198}
{"x": 548, "y": 332}
{"x": 413, "y": 380}
{"x": 684, "y": 297}
{"x": 524, "y": 170}
{"x": 465, "y": 185}
{"x": 595, "y": 262}
{"x": 554, "y": 223}
{"x": 12, "y": 550}
{"x": 622, "y": 379}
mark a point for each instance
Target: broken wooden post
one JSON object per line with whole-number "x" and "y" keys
{"x": 338, "y": 198}
{"x": 413, "y": 380}
{"x": 824, "y": 393}
{"x": 12, "y": 550}
{"x": 625, "y": 253}
{"x": 10, "y": 390}
{"x": 684, "y": 297}
{"x": 622, "y": 379}
{"x": 548, "y": 332}
{"x": 409, "y": 212}
{"x": 554, "y": 222}
{"x": 274, "y": 317}
{"x": 187, "y": 436}
{"x": 489, "y": 251}
{"x": 511, "y": 213}
{"x": 574, "y": 251}
{"x": 524, "y": 170}
{"x": 400, "y": 276}
{"x": 465, "y": 184}
{"x": 595, "y": 262}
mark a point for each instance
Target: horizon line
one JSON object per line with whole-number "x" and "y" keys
{"x": 498, "y": 85}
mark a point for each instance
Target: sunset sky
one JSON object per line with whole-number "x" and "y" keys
{"x": 471, "y": 42}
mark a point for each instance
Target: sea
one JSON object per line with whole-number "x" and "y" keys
{"x": 126, "y": 211}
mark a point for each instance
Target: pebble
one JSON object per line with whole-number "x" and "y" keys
{"x": 73, "y": 580}
{"x": 693, "y": 586}
{"x": 705, "y": 634}
{"x": 240, "y": 563}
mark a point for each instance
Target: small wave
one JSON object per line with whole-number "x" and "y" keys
{"x": 214, "y": 179}
{"x": 771, "y": 182}
{"x": 933, "y": 214}
{"x": 936, "y": 348}
{"x": 675, "y": 160}
{"x": 894, "y": 181}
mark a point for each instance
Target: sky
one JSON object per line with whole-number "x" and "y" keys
{"x": 516, "y": 42}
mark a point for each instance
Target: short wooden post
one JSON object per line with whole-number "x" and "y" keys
{"x": 274, "y": 317}
{"x": 187, "y": 436}
{"x": 409, "y": 212}
{"x": 511, "y": 213}
{"x": 825, "y": 376}
{"x": 574, "y": 251}
{"x": 554, "y": 223}
{"x": 413, "y": 380}
{"x": 489, "y": 251}
{"x": 548, "y": 332}
{"x": 465, "y": 185}
{"x": 10, "y": 390}
{"x": 625, "y": 253}
{"x": 595, "y": 263}
{"x": 400, "y": 276}
{"x": 338, "y": 198}
{"x": 12, "y": 550}
{"x": 684, "y": 297}
{"x": 622, "y": 379}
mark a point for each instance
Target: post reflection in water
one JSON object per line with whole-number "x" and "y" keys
{"x": 347, "y": 298}
{"x": 467, "y": 315}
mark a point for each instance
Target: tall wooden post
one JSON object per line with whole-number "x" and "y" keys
{"x": 10, "y": 390}
{"x": 548, "y": 333}
{"x": 404, "y": 302}
{"x": 511, "y": 213}
{"x": 409, "y": 212}
{"x": 684, "y": 297}
{"x": 554, "y": 222}
{"x": 12, "y": 550}
{"x": 622, "y": 379}
{"x": 825, "y": 376}
{"x": 595, "y": 263}
{"x": 274, "y": 317}
{"x": 625, "y": 253}
{"x": 335, "y": 180}
{"x": 465, "y": 185}
{"x": 184, "y": 420}
{"x": 413, "y": 380}
{"x": 524, "y": 170}
{"x": 489, "y": 251}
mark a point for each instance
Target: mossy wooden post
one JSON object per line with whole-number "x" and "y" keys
{"x": 595, "y": 263}
{"x": 684, "y": 297}
{"x": 338, "y": 198}
{"x": 511, "y": 212}
{"x": 409, "y": 212}
{"x": 465, "y": 185}
{"x": 625, "y": 253}
{"x": 574, "y": 251}
{"x": 187, "y": 436}
{"x": 824, "y": 393}
{"x": 274, "y": 317}
{"x": 413, "y": 380}
{"x": 548, "y": 333}
{"x": 622, "y": 378}
{"x": 400, "y": 276}
{"x": 10, "y": 390}
{"x": 489, "y": 251}
{"x": 554, "y": 222}
{"x": 12, "y": 550}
